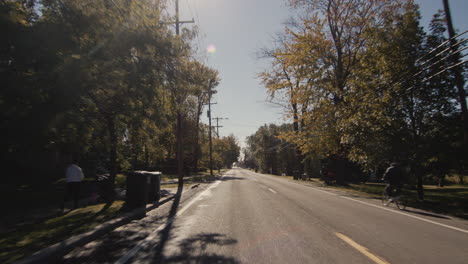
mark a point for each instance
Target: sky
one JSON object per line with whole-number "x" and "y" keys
{"x": 234, "y": 31}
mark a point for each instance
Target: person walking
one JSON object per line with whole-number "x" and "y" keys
{"x": 73, "y": 176}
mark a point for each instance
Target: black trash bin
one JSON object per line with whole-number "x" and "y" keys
{"x": 154, "y": 189}
{"x": 138, "y": 184}
{"x": 104, "y": 186}
{"x": 296, "y": 175}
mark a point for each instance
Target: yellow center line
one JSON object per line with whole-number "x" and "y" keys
{"x": 362, "y": 249}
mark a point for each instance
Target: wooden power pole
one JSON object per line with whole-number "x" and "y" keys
{"x": 217, "y": 124}
{"x": 209, "y": 128}
{"x": 179, "y": 136}
{"x": 459, "y": 80}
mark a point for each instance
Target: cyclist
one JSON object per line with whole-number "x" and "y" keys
{"x": 394, "y": 177}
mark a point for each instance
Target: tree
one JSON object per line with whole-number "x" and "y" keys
{"x": 99, "y": 77}
{"x": 367, "y": 95}
{"x": 268, "y": 152}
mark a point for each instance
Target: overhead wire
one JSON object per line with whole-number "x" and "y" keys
{"x": 401, "y": 81}
{"x": 443, "y": 43}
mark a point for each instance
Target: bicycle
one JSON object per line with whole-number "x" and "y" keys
{"x": 398, "y": 200}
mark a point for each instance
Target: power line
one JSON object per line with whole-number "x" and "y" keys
{"x": 440, "y": 72}
{"x": 443, "y": 43}
{"x": 440, "y": 53}
{"x": 428, "y": 67}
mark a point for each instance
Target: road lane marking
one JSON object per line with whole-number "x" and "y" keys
{"x": 334, "y": 194}
{"x": 125, "y": 258}
{"x": 377, "y": 206}
{"x": 409, "y": 215}
{"x": 255, "y": 180}
{"x": 365, "y": 251}
{"x": 271, "y": 190}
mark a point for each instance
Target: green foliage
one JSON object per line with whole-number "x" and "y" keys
{"x": 354, "y": 85}
{"x": 267, "y": 151}
{"x": 102, "y": 80}
{"x": 226, "y": 151}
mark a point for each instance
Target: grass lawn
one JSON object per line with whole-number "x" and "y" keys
{"x": 31, "y": 238}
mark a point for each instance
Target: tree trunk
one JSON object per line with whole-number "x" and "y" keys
{"x": 417, "y": 171}
{"x": 298, "y": 153}
{"x": 180, "y": 154}
{"x": 197, "y": 139}
{"x": 340, "y": 170}
{"x": 146, "y": 157}
{"x": 420, "y": 185}
{"x": 113, "y": 150}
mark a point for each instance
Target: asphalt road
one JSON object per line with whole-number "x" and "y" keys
{"x": 253, "y": 218}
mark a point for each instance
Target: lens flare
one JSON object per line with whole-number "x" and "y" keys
{"x": 211, "y": 49}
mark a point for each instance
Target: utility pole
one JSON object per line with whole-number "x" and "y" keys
{"x": 214, "y": 129}
{"x": 459, "y": 80}
{"x": 180, "y": 150}
{"x": 217, "y": 124}
{"x": 209, "y": 125}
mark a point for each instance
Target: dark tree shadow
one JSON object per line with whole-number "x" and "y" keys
{"x": 426, "y": 214}
{"x": 116, "y": 242}
{"x": 229, "y": 178}
{"x": 165, "y": 234}
{"x": 193, "y": 250}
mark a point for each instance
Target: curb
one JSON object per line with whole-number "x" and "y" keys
{"x": 58, "y": 250}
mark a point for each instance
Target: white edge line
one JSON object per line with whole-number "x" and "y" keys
{"x": 413, "y": 216}
{"x": 380, "y": 207}
{"x": 125, "y": 258}
{"x": 271, "y": 190}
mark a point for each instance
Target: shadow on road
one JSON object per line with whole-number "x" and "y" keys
{"x": 194, "y": 249}
{"x": 229, "y": 178}
{"x": 116, "y": 242}
{"x": 426, "y": 214}
{"x": 165, "y": 234}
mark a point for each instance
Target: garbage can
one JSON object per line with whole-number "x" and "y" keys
{"x": 104, "y": 188}
{"x": 137, "y": 189}
{"x": 296, "y": 175}
{"x": 154, "y": 189}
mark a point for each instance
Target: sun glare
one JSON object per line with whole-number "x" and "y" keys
{"x": 211, "y": 49}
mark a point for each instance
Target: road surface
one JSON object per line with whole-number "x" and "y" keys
{"x": 253, "y": 218}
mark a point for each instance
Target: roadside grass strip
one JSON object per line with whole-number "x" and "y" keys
{"x": 28, "y": 239}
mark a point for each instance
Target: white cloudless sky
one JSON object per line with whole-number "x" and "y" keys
{"x": 238, "y": 29}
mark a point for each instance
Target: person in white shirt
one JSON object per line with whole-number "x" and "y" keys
{"x": 73, "y": 176}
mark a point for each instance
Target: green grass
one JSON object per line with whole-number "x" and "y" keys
{"x": 31, "y": 238}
